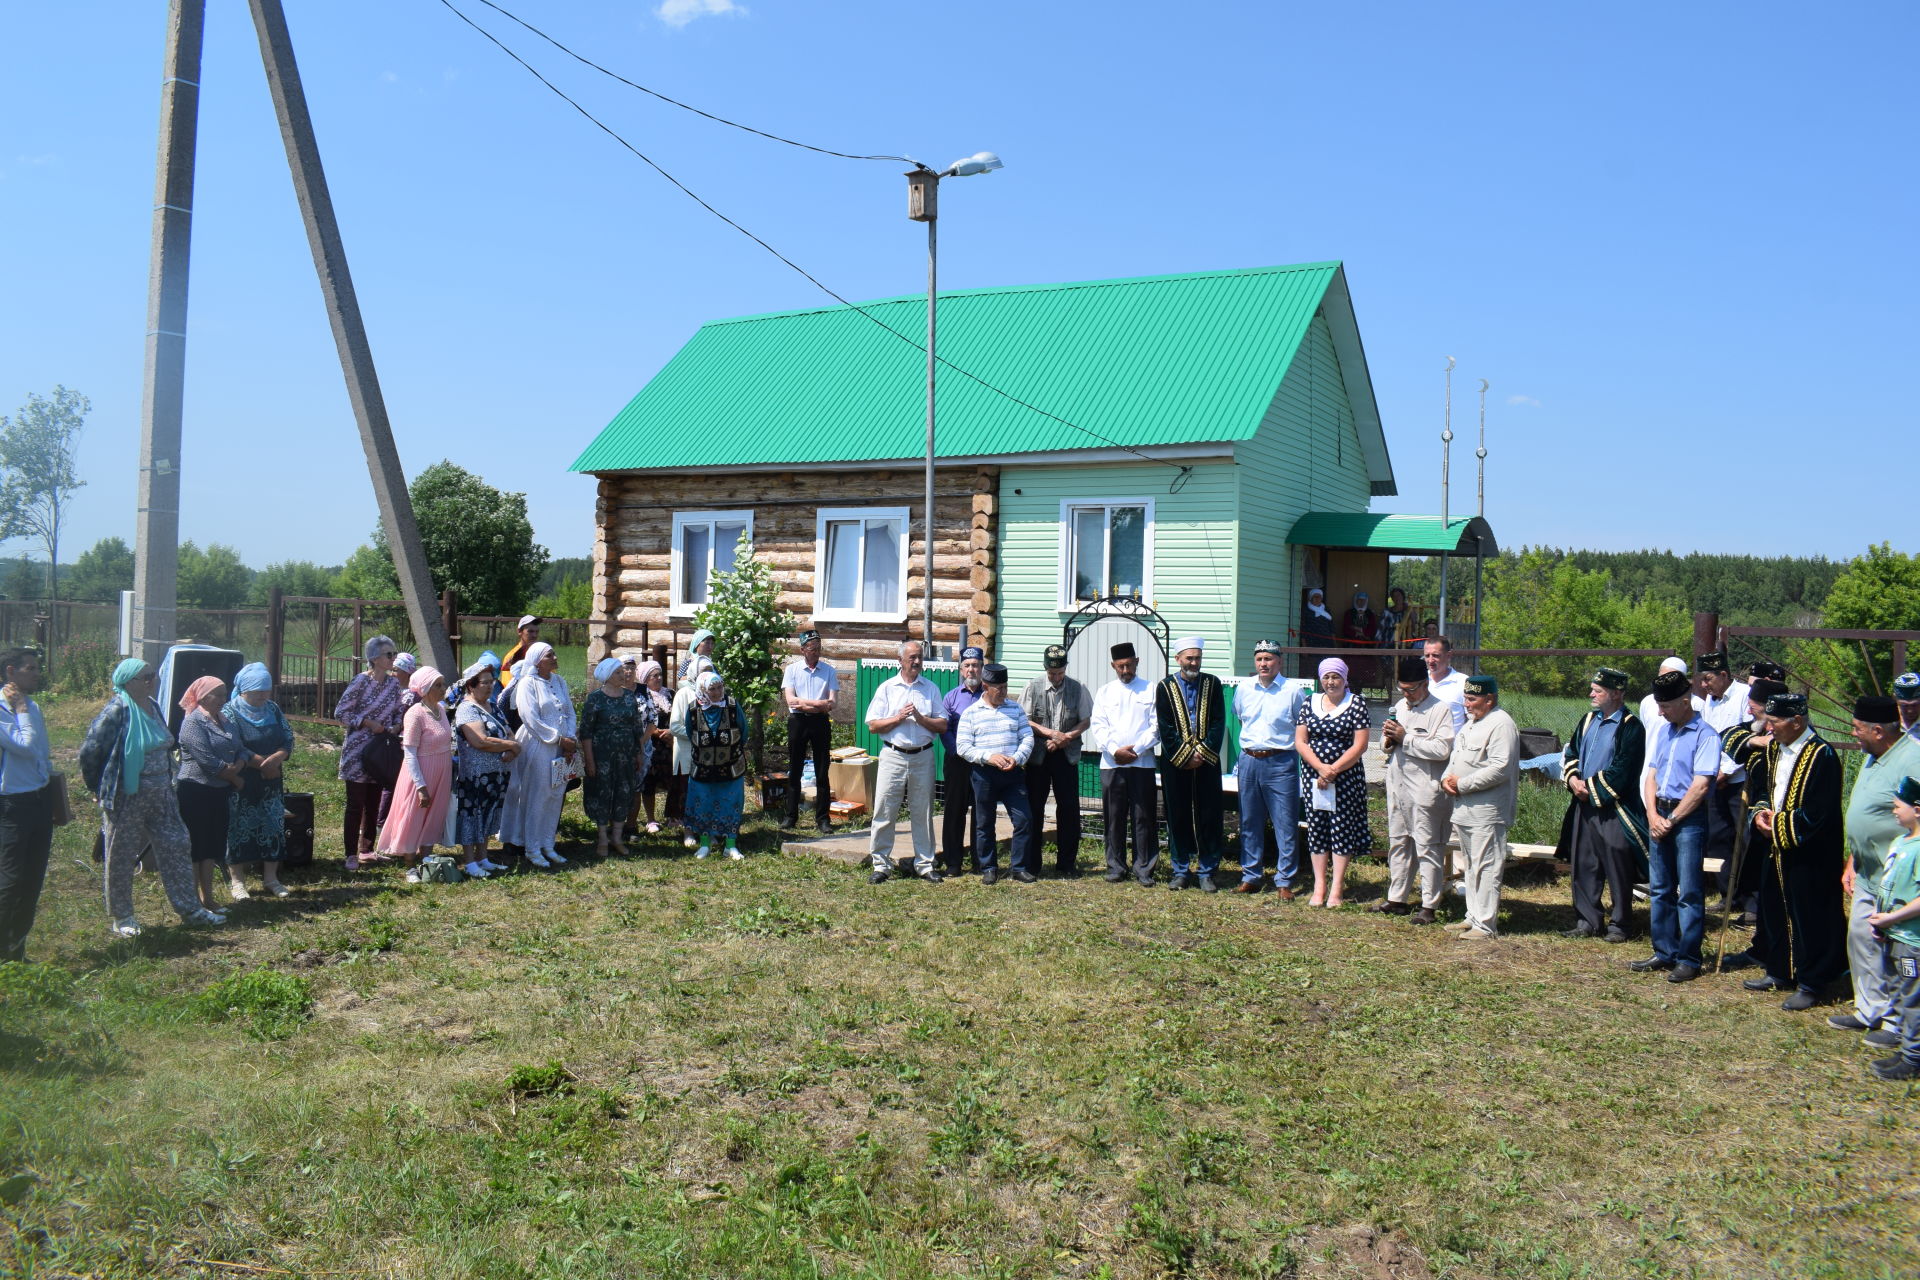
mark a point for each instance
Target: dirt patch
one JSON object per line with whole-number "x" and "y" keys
{"x": 1360, "y": 1252}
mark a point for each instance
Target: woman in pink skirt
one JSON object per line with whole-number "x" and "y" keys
{"x": 424, "y": 789}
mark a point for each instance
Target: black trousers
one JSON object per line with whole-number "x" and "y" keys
{"x": 809, "y": 733}
{"x": 1602, "y": 858}
{"x": 26, "y": 841}
{"x": 1196, "y": 838}
{"x": 1130, "y": 802}
{"x": 956, "y": 799}
{"x": 1802, "y": 936}
{"x": 1052, "y": 771}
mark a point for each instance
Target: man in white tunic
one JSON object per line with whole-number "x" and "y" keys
{"x": 1481, "y": 776}
{"x": 1127, "y": 731}
{"x": 1419, "y": 735}
{"x": 531, "y": 816}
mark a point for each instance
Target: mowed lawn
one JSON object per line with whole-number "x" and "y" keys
{"x": 660, "y": 1067}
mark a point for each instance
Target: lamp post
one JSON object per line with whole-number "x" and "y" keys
{"x": 923, "y": 205}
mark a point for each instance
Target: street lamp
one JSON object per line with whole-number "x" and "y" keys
{"x": 923, "y": 204}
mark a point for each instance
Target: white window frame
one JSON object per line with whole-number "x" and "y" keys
{"x": 680, "y": 608}
{"x": 1068, "y": 603}
{"x": 902, "y": 515}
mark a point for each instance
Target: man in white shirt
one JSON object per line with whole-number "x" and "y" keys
{"x": 809, "y": 687}
{"x": 997, "y": 741}
{"x": 1724, "y": 707}
{"x": 1443, "y": 682}
{"x": 1127, "y": 731}
{"x": 906, "y": 714}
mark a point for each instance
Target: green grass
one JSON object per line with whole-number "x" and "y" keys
{"x": 659, "y": 1067}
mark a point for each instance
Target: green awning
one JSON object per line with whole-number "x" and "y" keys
{"x": 1395, "y": 535}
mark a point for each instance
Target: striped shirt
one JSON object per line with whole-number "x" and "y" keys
{"x": 987, "y": 731}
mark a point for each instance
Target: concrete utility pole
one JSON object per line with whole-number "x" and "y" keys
{"x": 350, "y": 334}
{"x": 156, "y": 551}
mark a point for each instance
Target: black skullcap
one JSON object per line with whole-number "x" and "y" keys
{"x": 1787, "y": 705}
{"x": 1767, "y": 671}
{"x": 1611, "y": 678}
{"x": 1056, "y": 657}
{"x": 1874, "y": 708}
{"x": 993, "y": 673}
{"x": 1412, "y": 669}
{"x": 1764, "y": 689}
{"x": 1670, "y": 686}
{"x": 1908, "y": 790}
{"x": 1715, "y": 661}
{"x": 1121, "y": 650}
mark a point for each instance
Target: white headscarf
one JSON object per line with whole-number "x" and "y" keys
{"x": 1317, "y": 604}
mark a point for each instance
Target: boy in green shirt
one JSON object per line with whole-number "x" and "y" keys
{"x": 1898, "y": 922}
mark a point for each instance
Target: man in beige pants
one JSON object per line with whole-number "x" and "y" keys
{"x": 1482, "y": 775}
{"x": 1418, "y": 741}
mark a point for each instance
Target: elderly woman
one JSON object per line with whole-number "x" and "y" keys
{"x": 1330, "y": 739}
{"x": 699, "y": 657}
{"x": 127, "y": 763}
{"x": 1359, "y": 629}
{"x": 211, "y": 763}
{"x": 257, "y": 828}
{"x": 484, "y": 751}
{"x": 657, "y": 714}
{"x": 715, "y": 733}
{"x": 425, "y": 789}
{"x": 612, "y": 754}
{"x": 1316, "y": 628}
{"x": 531, "y": 817}
{"x": 369, "y": 710}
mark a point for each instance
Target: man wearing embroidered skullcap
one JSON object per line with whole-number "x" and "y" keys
{"x": 1724, "y": 708}
{"x": 956, "y": 786}
{"x": 1871, "y": 830}
{"x": 1748, "y": 744}
{"x": 1268, "y": 772}
{"x": 1191, "y": 707}
{"x": 1058, "y": 708}
{"x": 1906, "y": 700}
{"x": 1604, "y": 835}
{"x": 1683, "y": 760}
{"x": 1483, "y": 773}
{"x": 1418, "y": 741}
{"x": 1797, "y": 825}
{"x": 809, "y": 687}
{"x": 1127, "y": 732}
{"x": 997, "y": 741}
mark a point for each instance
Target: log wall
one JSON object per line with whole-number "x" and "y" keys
{"x": 632, "y": 554}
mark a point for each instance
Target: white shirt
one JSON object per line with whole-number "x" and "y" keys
{"x": 1123, "y": 716}
{"x": 1452, "y": 690}
{"x": 1726, "y": 713}
{"x": 1783, "y": 768}
{"x": 892, "y": 697}
{"x": 810, "y": 685}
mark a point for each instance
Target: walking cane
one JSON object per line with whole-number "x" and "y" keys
{"x": 1733, "y": 888}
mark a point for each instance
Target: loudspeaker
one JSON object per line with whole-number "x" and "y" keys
{"x": 298, "y": 851}
{"x": 186, "y": 663}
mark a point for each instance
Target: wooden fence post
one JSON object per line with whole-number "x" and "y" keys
{"x": 323, "y": 641}
{"x": 276, "y": 632}
{"x": 450, "y": 619}
{"x": 1706, "y": 633}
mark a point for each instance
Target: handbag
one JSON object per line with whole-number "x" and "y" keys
{"x": 62, "y": 802}
{"x": 382, "y": 759}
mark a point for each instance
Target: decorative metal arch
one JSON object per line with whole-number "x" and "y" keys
{"x": 1118, "y": 607}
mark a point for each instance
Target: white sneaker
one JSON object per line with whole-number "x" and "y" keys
{"x": 734, "y": 853}
{"x": 690, "y": 842}
{"x": 553, "y": 856}
{"x": 128, "y": 928}
{"x": 238, "y": 890}
{"x": 535, "y": 857}
{"x": 702, "y": 852}
{"x": 414, "y": 876}
{"x": 475, "y": 870}
{"x": 490, "y": 865}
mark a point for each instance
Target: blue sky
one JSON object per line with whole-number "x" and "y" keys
{"x": 1677, "y": 239}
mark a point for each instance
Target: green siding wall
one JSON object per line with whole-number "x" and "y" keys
{"x": 1195, "y": 542}
{"x": 1306, "y": 457}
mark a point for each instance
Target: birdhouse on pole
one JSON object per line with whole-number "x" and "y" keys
{"x": 923, "y": 195}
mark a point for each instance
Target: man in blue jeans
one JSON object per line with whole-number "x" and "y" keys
{"x": 1682, "y": 763}
{"x": 1268, "y": 772}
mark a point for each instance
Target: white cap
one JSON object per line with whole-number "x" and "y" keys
{"x": 1185, "y": 643}
{"x": 528, "y": 621}
{"x": 1674, "y": 664}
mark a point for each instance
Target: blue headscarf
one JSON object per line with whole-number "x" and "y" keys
{"x": 144, "y": 729}
{"x": 252, "y": 678}
{"x": 605, "y": 671}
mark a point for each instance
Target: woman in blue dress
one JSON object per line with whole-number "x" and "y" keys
{"x": 257, "y": 825}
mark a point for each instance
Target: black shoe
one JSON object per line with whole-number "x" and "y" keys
{"x": 1068, "y": 873}
{"x": 1207, "y": 885}
{"x": 790, "y": 824}
{"x": 1115, "y": 877}
{"x": 1615, "y": 934}
{"x": 1800, "y": 1002}
{"x": 1145, "y": 882}
{"x": 1684, "y": 973}
{"x": 933, "y": 877}
{"x": 878, "y": 877}
{"x": 990, "y": 876}
{"x": 1738, "y": 961}
{"x": 1882, "y": 1039}
{"x": 1023, "y": 876}
{"x": 1578, "y": 931}
{"x": 1180, "y": 881}
{"x": 1649, "y": 965}
{"x": 1896, "y": 1068}
{"x": 1847, "y": 1022}
{"x": 824, "y": 828}
{"x": 1764, "y": 983}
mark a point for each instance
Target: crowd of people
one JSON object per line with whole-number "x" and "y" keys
{"x": 1712, "y": 766}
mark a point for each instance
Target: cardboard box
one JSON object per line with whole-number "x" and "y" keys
{"x": 847, "y": 753}
{"x": 854, "y": 779}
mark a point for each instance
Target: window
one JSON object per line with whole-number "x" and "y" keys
{"x": 861, "y": 555}
{"x": 1106, "y": 550}
{"x": 702, "y": 542}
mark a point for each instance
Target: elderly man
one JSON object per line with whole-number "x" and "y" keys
{"x": 1682, "y": 763}
{"x": 1797, "y": 820}
{"x": 1483, "y": 771}
{"x": 1268, "y": 772}
{"x": 1871, "y": 829}
{"x": 1748, "y": 744}
{"x": 809, "y": 687}
{"x": 1724, "y": 708}
{"x": 1192, "y": 709}
{"x": 1127, "y": 732}
{"x": 905, "y": 713}
{"x": 1059, "y": 709}
{"x": 1650, "y": 705}
{"x": 26, "y": 800}
{"x": 997, "y": 741}
{"x": 956, "y": 790}
{"x": 1906, "y": 699}
{"x": 1418, "y": 740}
{"x": 1604, "y": 834}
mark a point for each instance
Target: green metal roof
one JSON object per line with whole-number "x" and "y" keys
{"x": 1159, "y": 360}
{"x": 1398, "y": 535}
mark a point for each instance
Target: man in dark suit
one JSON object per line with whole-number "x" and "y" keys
{"x": 1192, "y": 711}
{"x": 1604, "y": 834}
{"x": 1797, "y": 825}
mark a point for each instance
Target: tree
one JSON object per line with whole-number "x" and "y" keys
{"x": 1879, "y": 591}
{"x": 478, "y": 540}
{"x": 36, "y": 469}
{"x": 743, "y": 612}
{"x": 572, "y": 598}
{"x": 102, "y": 572}
{"x": 367, "y": 575}
{"x": 1540, "y": 601}
{"x": 294, "y": 578}
{"x": 214, "y": 578}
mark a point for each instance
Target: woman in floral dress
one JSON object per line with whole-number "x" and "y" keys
{"x": 1331, "y": 739}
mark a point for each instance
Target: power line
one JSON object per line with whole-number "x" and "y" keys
{"x": 796, "y": 267}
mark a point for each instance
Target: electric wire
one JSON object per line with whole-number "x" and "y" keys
{"x": 790, "y": 263}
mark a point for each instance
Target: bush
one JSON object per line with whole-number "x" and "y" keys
{"x": 85, "y": 667}
{"x": 268, "y": 1004}
{"x": 38, "y": 986}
